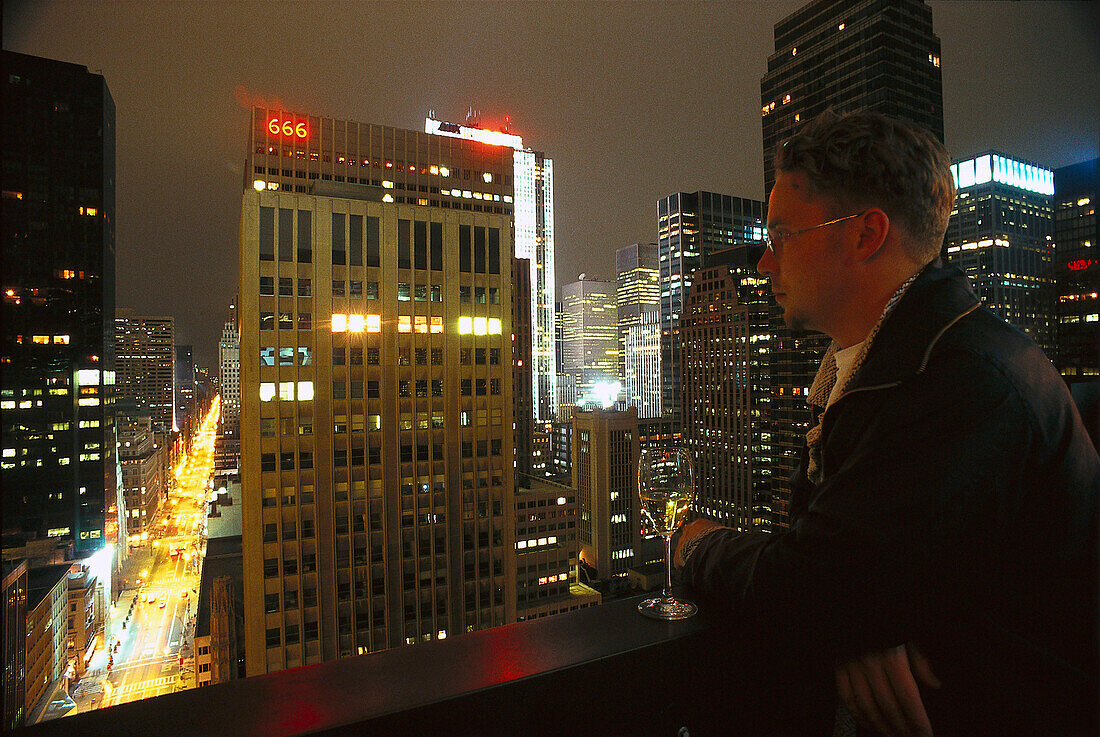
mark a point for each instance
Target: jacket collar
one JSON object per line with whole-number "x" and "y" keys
{"x": 938, "y": 297}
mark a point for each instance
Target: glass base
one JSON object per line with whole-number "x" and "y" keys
{"x": 667, "y": 608}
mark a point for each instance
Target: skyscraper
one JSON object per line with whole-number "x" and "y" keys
{"x": 185, "y": 386}
{"x": 725, "y": 393}
{"x": 1077, "y": 270}
{"x": 533, "y": 235}
{"x": 639, "y": 289}
{"x": 1001, "y": 234}
{"x": 376, "y": 414}
{"x": 851, "y": 55}
{"x": 145, "y": 349}
{"x": 58, "y": 224}
{"x": 691, "y": 225}
{"x": 590, "y": 344}
{"x": 642, "y": 372}
{"x": 847, "y": 55}
{"x": 229, "y": 374}
{"x": 605, "y": 475}
{"x": 522, "y": 395}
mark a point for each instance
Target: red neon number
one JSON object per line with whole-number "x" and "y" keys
{"x": 287, "y": 128}
{"x": 1081, "y": 264}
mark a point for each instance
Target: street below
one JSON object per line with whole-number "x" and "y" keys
{"x": 150, "y": 636}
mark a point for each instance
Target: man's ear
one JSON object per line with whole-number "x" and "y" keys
{"x": 874, "y": 228}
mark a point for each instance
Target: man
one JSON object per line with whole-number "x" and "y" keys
{"x": 942, "y": 550}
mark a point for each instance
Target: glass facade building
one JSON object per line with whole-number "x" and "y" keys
{"x": 725, "y": 333}
{"x": 642, "y": 359}
{"x": 691, "y": 225}
{"x": 851, "y": 55}
{"x": 590, "y": 343}
{"x": 145, "y": 350}
{"x": 1001, "y": 235}
{"x": 1077, "y": 270}
{"x": 639, "y": 289}
{"x": 533, "y": 235}
{"x": 59, "y": 471}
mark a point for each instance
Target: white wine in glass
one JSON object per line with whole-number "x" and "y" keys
{"x": 666, "y": 488}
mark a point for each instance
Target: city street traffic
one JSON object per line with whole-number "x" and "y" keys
{"x": 152, "y": 627}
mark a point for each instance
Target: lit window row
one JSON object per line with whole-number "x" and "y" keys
{"x": 536, "y": 542}
{"x": 356, "y": 323}
{"x": 479, "y": 325}
{"x": 553, "y": 579}
{"x": 286, "y": 391}
{"x": 419, "y": 324}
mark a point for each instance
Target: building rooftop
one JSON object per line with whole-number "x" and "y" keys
{"x": 41, "y": 581}
{"x": 224, "y": 557}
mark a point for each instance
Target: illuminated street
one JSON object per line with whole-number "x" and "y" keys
{"x": 156, "y": 639}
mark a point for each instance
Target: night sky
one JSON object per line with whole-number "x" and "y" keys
{"x": 633, "y": 100}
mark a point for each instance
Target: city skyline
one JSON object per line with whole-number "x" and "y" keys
{"x": 620, "y": 139}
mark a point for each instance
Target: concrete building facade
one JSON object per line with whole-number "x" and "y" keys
{"x": 376, "y": 418}
{"x": 605, "y": 476}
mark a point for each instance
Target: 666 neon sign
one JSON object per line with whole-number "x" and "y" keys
{"x": 287, "y": 128}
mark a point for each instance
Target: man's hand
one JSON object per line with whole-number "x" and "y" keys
{"x": 688, "y": 531}
{"x": 880, "y": 691}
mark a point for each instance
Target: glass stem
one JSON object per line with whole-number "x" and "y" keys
{"x": 667, "y": 592}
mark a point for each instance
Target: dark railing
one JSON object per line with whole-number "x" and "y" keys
{"x": 605, "y": 670}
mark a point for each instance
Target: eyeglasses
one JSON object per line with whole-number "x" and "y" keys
{"x": 774, "y": 239}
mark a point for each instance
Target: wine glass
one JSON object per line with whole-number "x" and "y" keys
{"x": 666, "y": 488}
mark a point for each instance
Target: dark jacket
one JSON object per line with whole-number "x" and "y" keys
{"x": 958, "y": 510}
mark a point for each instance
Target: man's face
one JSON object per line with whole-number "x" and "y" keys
{"x": 806, "y": 270}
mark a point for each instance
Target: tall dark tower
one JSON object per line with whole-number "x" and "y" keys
{"x": 56, "y": 336}
{"x": 690, "y": 226}
{"x": 1077, "y": 270}
{"x": 846, "y": 55}
{"x": 851, "y": 55}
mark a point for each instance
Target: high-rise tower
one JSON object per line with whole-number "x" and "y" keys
{"x": 851, "y": 55}
{"x": 376, "y": 413}
{"x": 1001, "y": 234}
{"x": 691, "y": 225}
{"x": 145, "y": 348}
{"x": 847, "y": 55}
{"x": 590, "y": 342}
{"x": 1077, "y": 270}
{"x": 726, "y": 394}
{"x": 532, "y": 179}
{"x": 639, "y": 289}
{"x": 59, "y": 471}
{"x": 229, "y": 374}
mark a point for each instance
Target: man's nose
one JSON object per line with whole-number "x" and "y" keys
{"x": 767, "y": 263}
